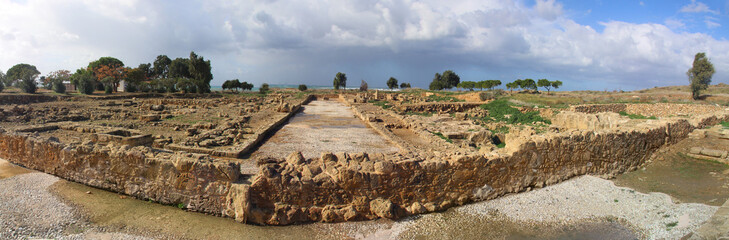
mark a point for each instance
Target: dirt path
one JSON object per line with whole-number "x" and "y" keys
{"x": 324, "y": 126}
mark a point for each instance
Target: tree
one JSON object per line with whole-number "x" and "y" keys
{"x": 179, "y": 68}
{"x": 56, "y": 78}
{"x": 517, "y": 84}
{"x": 467, "y": 85}
{"x": 450, "y": 78}
{"x": 363, "y": 86}
{"x": 108, "y": 70}
{"x": 699, "y": 74}
{"x": 302, "y": 87}
{"x": 83, "y": 80}
{"x": 232, "y": 84}
{"x": 528, "y": 84}
{"x": 2, "y": 85}
{"x": 59, "y": 87}
{"x": 404, "y": 85}
{"x": 201, "y": 72}
{"x": 493, "y": 83}
{"x": 512, "y": 85}
{"x": 556, "y": 84}
{"x": 27, "y": 74}
{"x": 3, "y": 78}
{"x": 340, "y": 80}
{"x": 437, "y": 84}
{"x": 246, "y": 86}
{"x": 264, "y": 88}
{"x": 134, "y": 77}
{"x": 161, "y": 66}
{"x": 544, "y": 83}
{"x": 146, "y": 68}
{"x": 186, "y": 85}
{"x": 19, "y": 72}
{"x": 392, "y": 83}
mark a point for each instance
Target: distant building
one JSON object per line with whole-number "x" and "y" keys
{"x": 69, "y": 86}
{"x": 122, "y": 86}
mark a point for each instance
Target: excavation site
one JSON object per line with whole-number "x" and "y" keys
{"x": 290, "y": 158}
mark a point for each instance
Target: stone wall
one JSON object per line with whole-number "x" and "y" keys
{"x": 655, "y": 109}
{"x": 26, "y": 99}
{"x": 198, "y": 182}
{"x": 598, "y": 108}
{"x": 346, "y": 187}
{"x": 439, "y": 107}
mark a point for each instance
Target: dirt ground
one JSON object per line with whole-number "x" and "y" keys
{"x": 324, "y": 126}
{"x": 685, "y": 178}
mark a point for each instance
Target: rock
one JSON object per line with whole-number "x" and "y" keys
{"x": 149, "y": 118}
{"x": 295, "y": 158}
{"x": 191, "y": 131}
{"x": 384, "y": 167}
{"x": 481, "y": 138}
{"x": 157, "y": 107}
{"x": 417, "y": 208}
{"x": 461, "y": 116}
{"x": 695, "y": 150}
{"x": 383, "y": 208}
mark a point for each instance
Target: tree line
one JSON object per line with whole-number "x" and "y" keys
{"x": 190, "y": 75}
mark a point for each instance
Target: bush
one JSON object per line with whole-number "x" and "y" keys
{"x": 108, "y": 89}
{"x": 58, "y": 87}
{"x": 28, "y": 85}
{"x": 303, "y": 87}
{"x": 490, "y": 95}
{"x": 363, "y": 86}
{"x": 2, "y": 86}
{"x": 264, "y": 88}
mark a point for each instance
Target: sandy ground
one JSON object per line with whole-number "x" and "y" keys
{"x": 324, "y": 126}
{"x": 41, "y": 205}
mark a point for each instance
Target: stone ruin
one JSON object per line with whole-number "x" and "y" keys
{"x": 192, "y": 152}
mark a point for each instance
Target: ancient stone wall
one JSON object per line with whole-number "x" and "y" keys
{"x": 655, "y": 109}
{"x": 198, "y": 182}
{"x": 597, "y": 108}
{"x": 347, "y": 187}
{"x": 26, "y": 99}
{"x": 439, "y": 107}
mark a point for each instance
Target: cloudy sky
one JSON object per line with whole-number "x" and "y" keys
{"x": 588, "y": 44}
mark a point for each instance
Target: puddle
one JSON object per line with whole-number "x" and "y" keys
{"x": 324, "y": 126}
{"x": 7, "y": 169}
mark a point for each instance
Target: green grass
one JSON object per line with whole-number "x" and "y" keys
{"x": 498, "y": 110}
{"x": 636, "y": 116}
{"x": 181, "y": 206}
{"x": 442, "y": 137}
{"x": 501, "y": 145}
{"x": 671, "y": 225}
{"x": 725, "y": 125}
{"x": 383, "y": 104}
{"x": 438, "y": 98}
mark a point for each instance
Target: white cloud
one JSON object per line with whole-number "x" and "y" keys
{"x": 308, "y": 41}
{"x": 711, "y": 22}
{"x": 697, "y": 7}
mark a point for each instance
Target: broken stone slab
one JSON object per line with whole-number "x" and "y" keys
{"x": 150, "y": 118}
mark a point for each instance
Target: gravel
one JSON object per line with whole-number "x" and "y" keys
{"x": 28, "y": 211}
{"x": 654, "y": 215}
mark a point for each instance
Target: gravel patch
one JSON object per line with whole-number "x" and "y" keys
{"x": 654, "y": 215}
{"x": 29, "y": 211}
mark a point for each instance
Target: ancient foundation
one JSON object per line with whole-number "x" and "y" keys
{"x": 335, "y": 187}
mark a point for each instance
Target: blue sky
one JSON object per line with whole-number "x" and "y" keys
{"x": 597, "y": 45}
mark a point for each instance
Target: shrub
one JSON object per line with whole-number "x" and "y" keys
{"x": 2, "y": 86}
{"x": 264, "y": 88}
{"x": 28, "y": 85}
{"x": 58, "y": 87}
{"x": 363, "y": 86}
{"x": 303, "y": 87}
{"x": 490, "y": 95}
{"x": 108, "y": 89}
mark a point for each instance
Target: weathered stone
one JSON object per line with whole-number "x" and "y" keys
{"x": 295, "y": 158}
{"x": 157, "y": 107}
{"x": 149, "y": 118}
{"x": 382, "y": 208}
{"x": 384, "y": 167}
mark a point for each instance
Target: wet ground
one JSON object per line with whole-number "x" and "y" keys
{"x": 684, "y": 178}
{"x": 324, "y": 126}
{"x": 8, "y": 170}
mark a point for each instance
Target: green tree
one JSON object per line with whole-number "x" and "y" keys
{"x": 27, "y": 74}
{"x": 246, "y": 86}
{"x": 699, "y": 74}
{"x": 493, "y": 83}
{"x": 201, "y": 72}
{"x": 186, "y": 85}
{"x": 437, "y": 84}
{"x": 302, "y": 87}
{"x": 20, "y": 72}
{"x": 363, "y": 86}
{"x": 146, "y": 68}
{"x": 59, "y": 87}
{"x": 179, "y": 68}
{"x": 450, "y": 78}
{"x": 556, "y": 84}
{"x": 232, "y": 84}
{"x": 544, "y": 83}
{"x": 528, "y": 84}
{"x": 340, "y": 80}
{"x": 84, "y": 81}
{"x": 392, "y": 83}
{"x": 134, "y": 77}
{"x": 264, "y": 88}
{"x": 2, "y": 86}
{"x": 161, "y": 66}
{"x": 512, "y": 85}
{"x": 467, "y": 85}
{"x": 404, "y": 85}
{"x": 3, "y": 78}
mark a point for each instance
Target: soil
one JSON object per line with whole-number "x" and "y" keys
{"x": 684, "y": 178}
{"x": 8, "y": 170}
{"x": 324, "y": 126}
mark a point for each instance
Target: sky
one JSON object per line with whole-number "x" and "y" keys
{"x": 587, "y": 44}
